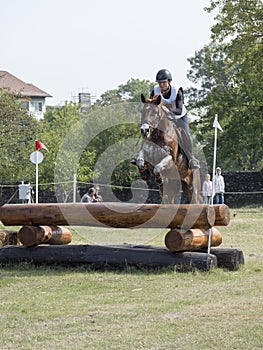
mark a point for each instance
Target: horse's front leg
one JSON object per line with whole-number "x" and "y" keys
{"x": 162, "y": 165}
{"x": 140, "y": 159}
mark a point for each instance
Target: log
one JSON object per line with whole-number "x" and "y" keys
{"x": 8, "y": 237}
{"x": 222, "y": 215}
{"x": 108, "y": 256}
{"x": 178, "y": 240}
{"x": 228, "y": 258}
{"x": 122, "y": 215}
{"x": 34, "y": 235}
{"x": 60, "y": 235}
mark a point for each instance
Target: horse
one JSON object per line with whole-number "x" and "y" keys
{"x": 162, "y": 155}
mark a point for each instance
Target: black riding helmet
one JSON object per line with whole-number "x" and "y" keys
{"x": 163, "y": 75}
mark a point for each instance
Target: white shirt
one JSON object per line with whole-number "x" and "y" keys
{"x": 170, "y": 102}
{"x": 219, "y": 184}
{"x": 207, "y": 188}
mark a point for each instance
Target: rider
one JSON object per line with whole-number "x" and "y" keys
{"x": 173, "y": 99}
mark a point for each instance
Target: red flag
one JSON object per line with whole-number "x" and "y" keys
{"x": 40, "y": 145}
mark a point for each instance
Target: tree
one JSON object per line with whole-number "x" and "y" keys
{"x": 228, "y": 73}
{"x": 62, "y": 161}
{"x": 129, "y": 92}
{"x": 121, "y": 107}
{"x": 17, "y": 139}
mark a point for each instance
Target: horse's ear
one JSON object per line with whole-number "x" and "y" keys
{"x": 143, "y": 99}
{"x": 158, "y": 100}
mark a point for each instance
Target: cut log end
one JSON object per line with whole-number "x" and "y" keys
{"x": 35, "y": 235}
{"x": 222, "y": 214}
{"x": 192, "y": 239}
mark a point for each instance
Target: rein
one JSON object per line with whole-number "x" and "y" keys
{"x": 159, "y": 115}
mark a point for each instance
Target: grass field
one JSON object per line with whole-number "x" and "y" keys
{"x": 77, "y": 308}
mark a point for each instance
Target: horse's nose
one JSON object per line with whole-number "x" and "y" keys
{"x": 144, "y": 132}
{"x": 145, "y": 129}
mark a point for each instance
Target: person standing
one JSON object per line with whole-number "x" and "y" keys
{"x": 207, "y": 189}
{"x": 219, "y": 187}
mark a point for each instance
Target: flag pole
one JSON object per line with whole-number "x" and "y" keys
{"x": 38, "y": 145}
{"x": 213, "y": 174}
{"x": 36, "y": 176}
{"x": 214, "y": 158}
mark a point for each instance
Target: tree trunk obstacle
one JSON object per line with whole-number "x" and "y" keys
{"x": 178, "y": 240}
{"x": 116, "y": 215}
{"x": 34, "y": 235}
{"x": 123, "y": 256}
{"x": 186, "y": 241}
{"x": 108, "y": 256}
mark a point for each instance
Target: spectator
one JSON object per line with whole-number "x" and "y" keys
{"x": 97, "y": 197}
{"x": 219, "y": 187}
{"x": 207, "y": 190}
{"x": 89, "y": 197}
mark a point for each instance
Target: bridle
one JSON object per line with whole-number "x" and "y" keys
{"x": 159, "y": 117}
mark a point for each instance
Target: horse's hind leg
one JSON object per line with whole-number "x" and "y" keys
{"x": 192, "y": 189}
{"x": 188, "y": 191}
{"x": 170, "y": 188}
{"x": 197, "y": 186}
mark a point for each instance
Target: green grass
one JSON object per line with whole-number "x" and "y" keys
{"x": 78, "y": 308}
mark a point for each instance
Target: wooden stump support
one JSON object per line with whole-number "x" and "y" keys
{"x": 178, "y": 240}
{"x": 34, "y": 235}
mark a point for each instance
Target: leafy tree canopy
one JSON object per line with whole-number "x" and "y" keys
{"x": 17, "y": 139}
{"x": 228, "y": 78}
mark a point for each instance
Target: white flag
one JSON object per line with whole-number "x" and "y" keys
{"x": 217, "y": 125}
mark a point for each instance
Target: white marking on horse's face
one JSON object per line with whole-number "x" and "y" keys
{"x": 145, "y": 129}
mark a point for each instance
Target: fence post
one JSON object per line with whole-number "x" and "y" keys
{"x": 74, "y": 187}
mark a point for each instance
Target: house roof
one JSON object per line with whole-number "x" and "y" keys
{"x": 16, "y": 85}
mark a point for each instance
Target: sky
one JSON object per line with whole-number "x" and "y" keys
{"x": 65, "y": 47}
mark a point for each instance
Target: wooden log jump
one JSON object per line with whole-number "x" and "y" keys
{"x": 34, "y": 235}
{"x": 107, "y": 256}
{"x": 119, "y": 215}
{"x": 178, "y": 240}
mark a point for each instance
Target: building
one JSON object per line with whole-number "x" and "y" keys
{"x": 33, "y": 97}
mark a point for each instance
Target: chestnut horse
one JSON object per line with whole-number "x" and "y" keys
{"x": 162, "y": 154}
